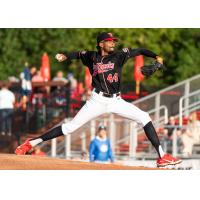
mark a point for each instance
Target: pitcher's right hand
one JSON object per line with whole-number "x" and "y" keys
{"x": 60, "y": 57}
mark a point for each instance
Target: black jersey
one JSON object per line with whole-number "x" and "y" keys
{"x": 106, "y": 70}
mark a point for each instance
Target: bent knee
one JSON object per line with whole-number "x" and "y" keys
{"x": 69, "y": 127}
{"x": 145, "y": 118}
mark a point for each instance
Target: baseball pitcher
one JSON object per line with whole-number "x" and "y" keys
{"x": 105, "y": 66}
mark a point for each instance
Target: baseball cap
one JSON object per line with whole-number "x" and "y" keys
{"x": 101, "y": 127}
{"x": 104, "y": 36}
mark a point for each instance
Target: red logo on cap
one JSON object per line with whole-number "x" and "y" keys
{"x": 110, "y": 34}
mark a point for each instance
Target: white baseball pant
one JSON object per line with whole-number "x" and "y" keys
{"x": 98, "y": 105}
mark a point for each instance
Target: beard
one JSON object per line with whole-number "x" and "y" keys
{"x": 111, "y": 50}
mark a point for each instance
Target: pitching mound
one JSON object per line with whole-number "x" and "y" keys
{"x": 14, "y": 162}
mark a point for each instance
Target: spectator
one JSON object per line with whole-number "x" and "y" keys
{"x": 100, "y": 148}
{"x": 60, "y": 77}
{"x": 74, "y": 90}
{"x": 26, "y": 85}
{"x": 192, "y": 134}
{"x": 168, "y": 131}
{"x": 7, "y": 100}
{"x": 73, "y": 82}
{"x": 59, "y": 93}
{"x": 37, "y": 77}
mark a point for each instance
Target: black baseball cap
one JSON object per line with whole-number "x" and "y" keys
{"x": 104, "y": 36}
{"x": 101, "y": 127}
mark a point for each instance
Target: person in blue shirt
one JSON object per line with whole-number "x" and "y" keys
{"x": 26, "y": 84}
{"x": 100, "y": 148}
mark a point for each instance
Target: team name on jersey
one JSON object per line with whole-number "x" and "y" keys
{"x": 101, "y": 68}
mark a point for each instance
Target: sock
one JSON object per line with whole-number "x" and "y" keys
{"x": 162, "y": 153}
{"x": 153, "y": 137}
{"x": 52, "y": 133}
{"x": 36, "y": 142}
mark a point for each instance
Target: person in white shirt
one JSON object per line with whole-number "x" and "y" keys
{"x": 7, "y": 100}
{"x": 60, "y": 77}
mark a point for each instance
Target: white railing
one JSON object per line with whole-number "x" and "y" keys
{"x": 188, "y": 107}
{"x": 184, "y": 88}
{"x": 185, "y": 82}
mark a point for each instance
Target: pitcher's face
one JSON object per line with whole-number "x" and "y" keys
{"x": 107, "y": 46}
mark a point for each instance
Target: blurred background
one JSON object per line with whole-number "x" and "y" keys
{"x": 47, "y": 93}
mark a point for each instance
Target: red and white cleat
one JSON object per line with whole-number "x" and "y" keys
{"x": 167, "y": 159}
{"x": 23, "y": 148}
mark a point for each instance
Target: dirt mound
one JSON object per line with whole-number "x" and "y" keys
{"x": 27, "y": 162}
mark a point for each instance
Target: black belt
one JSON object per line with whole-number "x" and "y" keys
{"x": 106, "y": 94}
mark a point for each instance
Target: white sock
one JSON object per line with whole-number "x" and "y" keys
{"x": 36, "y": 142}
{"x": 162, "y": 153}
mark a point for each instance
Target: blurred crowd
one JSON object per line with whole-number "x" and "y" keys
{"x": 32, "y": 75}
{"x": 187, "y": 136}
{"x": 33, "y": 90}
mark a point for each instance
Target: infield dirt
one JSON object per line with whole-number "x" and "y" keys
{"x": 28, "y": 162}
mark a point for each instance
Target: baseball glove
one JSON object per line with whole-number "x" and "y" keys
{"x": 149, "y": 70}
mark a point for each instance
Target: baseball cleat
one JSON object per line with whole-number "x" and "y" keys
{"x": 167, "y": 159}
{"x": 23, "y": 148}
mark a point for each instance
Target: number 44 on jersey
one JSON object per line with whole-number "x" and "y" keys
{"x": 112, "y": 78}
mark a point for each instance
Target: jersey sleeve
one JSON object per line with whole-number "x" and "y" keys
{"x": 142, "y": 51}
{"x": 85, "y": 56}
{"x": 127, "y": 53}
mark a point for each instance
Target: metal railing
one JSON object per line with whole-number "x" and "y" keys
{"x": 169, "y": 96}
{"x": 189, "y": 107}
